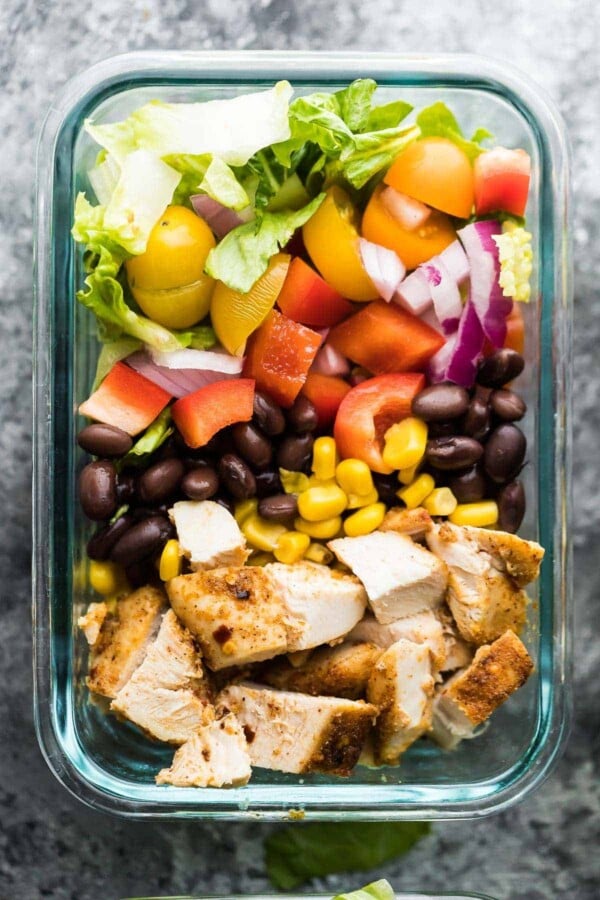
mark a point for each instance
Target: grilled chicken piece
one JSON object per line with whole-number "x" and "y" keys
{"x": 297, "y": 733}
{"x": 519, "y": 558}
{"x": 216, "y": 756}
{"x": 208, "y": 534}
{"x": 91, "y": 623}
{"x": 471, "y": 695}
{"x": 236, "y": 613}
{"x": 402, "y": 687}
{"x": 413, "y": 522}
{"x": 124, "y": 639}
{"x": 401, "y": 578}
{"x": 167, "y": 696}
{"x": 458, "y": 652}
{"x": 485, "y": 601}
{"x": 323, "y": 604}
{"x": 422, "y": 628}
{"x": 341, "y": 671}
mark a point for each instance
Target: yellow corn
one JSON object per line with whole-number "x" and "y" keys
{"x": 293, "y": 482}
{"x": 317, "y": 553}
{"x": 291, "y": 547}
{"x": 261, "y": 534}
{"x": 313, "y": 481}
{"x": 324, "y": 458}
{"x": 323, "y": 502}
{"x": 259, "y": 558}
{"x": 106, "y": 577}
{"x": 244, "y": 509}
{"x": 366, "y": 520}
{"x": 414, "y": 494}
{"x": 321, "y": 531}
{"x": 440, "y": 502}
{"x": 480, "y": 514}
{"x": 354, "y": 477}
{"x": 170, "y": 561}
{"x": 405, "y": 443}
{"x": 407, "y": 476}
{"x": 356, "y": 501}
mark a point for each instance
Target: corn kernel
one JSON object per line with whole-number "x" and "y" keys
{"x": 480, "y": 514}
{"x": 405, "y": 443}
{"x": 323, "y": 502}
{"x": 313, "y": 481}
{"x": 170, "y": 561}
{"x": 106, "y": 577}
{"x": 414, "y": 494}
{"x": 321, "y": 531}
{"x": 244, "y": 509}
{"x": 407, "y": 476}
{"x": 291, "y": 547}
{"x": 366, "y": 520}
{"x": 325, "y": 458}
{"x": 354, "y": 477}
{"x": 440, "y": 502}
{"x": 356, "y": 501}
{"x": 259, "y": 558}
{"x": 293, "y": 482}
{"x": 261, "y": 534}
{"x": 317, "y": 553}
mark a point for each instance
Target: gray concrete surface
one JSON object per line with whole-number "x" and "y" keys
{"x": 50, "y": 846}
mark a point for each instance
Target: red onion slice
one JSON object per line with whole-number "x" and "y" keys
{"x": 490, "y": 304}
{"x": 384, "y": 267}
{"x": 408, "y": 212}
{"x": 414, "y": 293}
{"x": 457, "y": 360}
{"x": 213, "y": 360}
{"x": 219, "y": 218}
{"x": 445, "y": 294}
{"x": 455, "y": 260}
{"x": 179, "y": 382}
{"x": 330, "y": 361}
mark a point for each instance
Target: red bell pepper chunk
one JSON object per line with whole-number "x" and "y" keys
{"x": 368, "y": 410}
{"x": 200, "y": 415}
{"x": 279, "y": 356}
{"x": 325, "y": 392}
{"x": 501, "y": 181}
{"x": 307, "y": 298}
{"x": 126, "y": 400}
{"x": 384, "y": 338}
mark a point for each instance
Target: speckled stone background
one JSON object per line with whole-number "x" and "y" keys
{"x": 50, "y": 846}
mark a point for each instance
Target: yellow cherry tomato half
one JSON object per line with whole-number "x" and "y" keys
{"x": 331, "y": 238}
{"x": 413, "y": 246}
{"x": 436, "y": 172}
{"x": 235, "y": 316}
{"x": 168, "y": 280}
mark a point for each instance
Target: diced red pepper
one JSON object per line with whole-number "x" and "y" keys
{"x": 384, "y": 338}
{"x": 501, "y": 181}
{"x": 279, "y": 356}
{"x": 200, "y": 415}
{"x": 126, "y": 400}
{"x": 368, "y": 410}
{"x": 307, "y": 298}
{"x": 325, "y": 392}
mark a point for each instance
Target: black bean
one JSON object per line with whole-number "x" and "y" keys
{"x": 440, "y": 402}
{"x": 267, "y": 415}
{"x": 200, "y": 483}
{"x": 268, "y": 483}
{"x": 225, "y": 502}
{"x": 148, "y": 512}
{"x": 478, "y": 419}
{"x": 469, "y": 486}
{"x": 279, "y": 508}
{"x": 126, "y": 487}
{"x": 142, "y": 540}
{"x": 104, "y": 440}
{"x": 141, "y": 573}
{"x": 98, "y": 490}
{"x": 237, "y": 477}
{"x": 302, "y": 416}
{"x": 196, "y": 462}
{"x": 504, "y": 453}
{"x": 507, "y": 405}
{"x": 172, "y": 447}
{"x": 252, "y": 445}
{"x": 160, "y": 480}
{"x": 442, "y": 429}
{"x": 511, "y": 506}
{"x": 452, "y": 453}
{"x": 387, "y": 485}
{"x": 295, "y": 452}
{"x": 502, "y": 366}
{"x": 102, "y": 541}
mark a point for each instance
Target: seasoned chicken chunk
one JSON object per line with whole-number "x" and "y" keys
{"x": 422, "y": 628}
{"x": 458, "y": 652}
{"x": 401, "y": 578}
{"x": 323, "y": 604}
{"x": 167, "y": 696}
{"x": 471, "y": 695}
{"x": 237, "y": 614}
{"x": 341, "y": 671}
{"x": 91, "y": 623}
{"x": 124, "y": 639}
{"x": 216, "y": 756}
{"x": 401, "y": 686}
{"x": 208, "y": 534}
{"x": 413, "y": 522}
{"x": 298, "y": 733}
{"x": 484, "y": 599}
{"x": 519, "y": 558}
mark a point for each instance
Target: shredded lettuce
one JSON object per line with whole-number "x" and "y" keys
{"x": 154, "y": 436}
{"x": 113, "y": 352}
{"x": 220, "y": 183}
{"x": 372, "y": 152}
{"x": 438, "y": 120}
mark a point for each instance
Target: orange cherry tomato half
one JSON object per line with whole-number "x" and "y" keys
{"x": 436, "y": 172}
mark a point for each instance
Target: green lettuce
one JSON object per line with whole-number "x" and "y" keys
{"x": 243, "y": 255}
{"x": 297, "y": 853}
{"x": 377, "y": 890}
{"x": 372, "y": 152}
{"x": 438, "y": 120}
{"x": 113, "y": 352}
{"x": 154, "y": 436}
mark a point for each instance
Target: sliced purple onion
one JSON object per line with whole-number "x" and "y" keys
{"x": 430, "y": 318}
{"x": 178, "y": 382}
{"x": 220, "y": 219}
{"x": 330, "y": 361}
{"x": 212, "y": 360}
{"x": 414, "y": 293}
{"x": 384, "y": 267}
{"x": 457, "y": 360}
{"x": 445, "y": 294}
{"x": 408, "y": 212}
{"x": 455, "y": 260}
{"x": 490, "y": 304}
